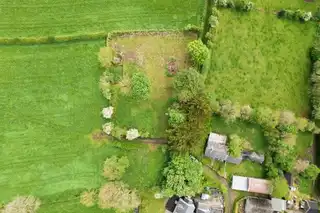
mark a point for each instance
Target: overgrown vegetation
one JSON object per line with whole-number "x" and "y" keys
{"x": 183, "y": 176}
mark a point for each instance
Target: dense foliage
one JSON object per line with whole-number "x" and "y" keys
{"x": 198, "y": 51}
{"x": 183, "y": 176}
{"x": 298, "y": 15}
{"x": 140, "y": 86}
{"x": 188, "y": 84}
{"x": 114, "y": 167}
{"x": 118, "y": 196}
{"x": 315, "y": 77}
{"x": 311, "y": 172}
{"x": 175, "y": 116}
{"x": 235, "y": 146}
{"x": 88, "y": 198}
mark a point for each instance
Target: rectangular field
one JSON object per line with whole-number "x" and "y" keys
{"x": 50, "y": 104}
{"x": 260, "y": 60}
{"x": 55, "y": 17}
{"x": 150, "y": 53}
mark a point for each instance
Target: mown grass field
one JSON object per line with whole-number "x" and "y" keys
{"x": 51, "y": 103}
{"x": 260, "y": 60}
{"x": 35, "y": 18}
{"x": 151, "y": 53}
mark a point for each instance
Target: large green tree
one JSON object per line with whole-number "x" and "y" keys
{"x": 311, "y": 172}
{"x": 198, "y": 51}
{"x": 183, "y": 176}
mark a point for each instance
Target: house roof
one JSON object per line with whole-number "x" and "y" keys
{"x": 184, "y": 206}
{"x": 248, "y": 184}
{"x": 258, "y": 205}
{"x": 217, "y": 149}
{"x": 259, "y": 186}
{"x": 313, "y": 207}
{"x": 278, "y": 205}
{"x": 240, "y": 183}
{"x": 256, "y": 157}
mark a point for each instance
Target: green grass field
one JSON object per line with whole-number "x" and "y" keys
{"x": 50, "y": 105}
{"x": 35, "y": 18}
{"x": 260, "y": 60}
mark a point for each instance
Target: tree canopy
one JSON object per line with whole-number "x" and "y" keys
{"x": 280, "y": 188}
{"x": 183, "y": 176}
{"x": 115, "y": 167}
{"x": 311, "y": 172}
{"x": 117, "y": 195}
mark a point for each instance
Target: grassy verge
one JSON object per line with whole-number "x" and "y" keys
{"x": 260, "y": 60}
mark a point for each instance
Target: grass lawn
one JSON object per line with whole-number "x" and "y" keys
{"x": 288, "y": 4}
{"x": 50, "y": 105}
{"x": 42, "y": 17}
{"x": 151, "y": 53}
{"x": 261, "y": 60}
{"x": 251, "y": 132}
{"x": 303, "y": 144}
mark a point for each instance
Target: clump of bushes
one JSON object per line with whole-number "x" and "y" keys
{"x": 114, "y": 167}
{"x": 117, "y": 195}
{"x": 88, "y": 198}
{"x": 132, "y": 134}
{"x": 311, "y": 172}
{"x": 22, "y": 204}
{"x": 242, "y": 5}
{"x": 140, "y": 86}
{"x": 214, "y": 23}
{"x": 198, "y": 52}
{"x": 176, "y": 117}
{"x": 298, "y": 15}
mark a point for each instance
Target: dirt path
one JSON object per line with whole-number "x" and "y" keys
{"x": 228, "y": 197}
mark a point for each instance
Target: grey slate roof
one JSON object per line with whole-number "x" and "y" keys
{"x": 278, "y": 205}
{"x": 184, "y": 206}
{"x": 217, "y": 150}
{"x": 313, "y": 207}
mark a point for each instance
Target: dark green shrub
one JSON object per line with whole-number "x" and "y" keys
{"x": 311, "y": 172}
{"x": 140, "y": 86}
{"x": 244, "y": 5}
{"x": 198, "y": 51}
{"x": 114, "y": 74}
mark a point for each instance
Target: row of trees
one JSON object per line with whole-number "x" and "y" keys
{"x": 284, "y": 120}
{"x": 315, "y": 77}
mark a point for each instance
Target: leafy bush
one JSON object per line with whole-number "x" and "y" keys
{"x": 105, "y": 87}
{"x": 140, "y": 86}
{"x": 198, "y": 51}
{"x": 118, "y": 132}
{"x": 235, "y": 146}
{"x": 113, "y": 74}
{"x": 183, "y": 176}
{"x": 246, "y": 113}
{"x": 107, "y": 128}
{"x": 176, "y": 117}
{"x": 311, "y": 172}
{"x": 229, "y": 111}
{"x": 107, "y": 112}
{"x": 302, "y": 124}
{"x": 88, "y": 198}
{"x": 244, "y": 5}
{"x": 22, "y": 204}
{"x": 298, "y": 15}
{"x": 188, "y": 84}
{"x": 284, "y": 157}
{"x": 266, "y": 117}
{"x": 117, "y": 195}
{"x": 115, "y": 167}
{"x": 132, "y": 134}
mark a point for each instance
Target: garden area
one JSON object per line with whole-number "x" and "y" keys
{"x": 153, "y": 56}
